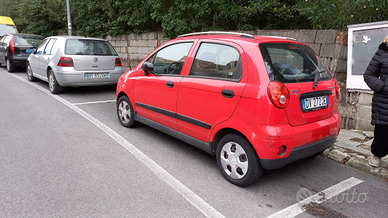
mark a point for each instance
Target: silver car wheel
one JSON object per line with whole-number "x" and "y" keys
{"x": 51, "y": 82}
{"x": 30, "y": 76}
{"x": 234, "y": 160}
{"x": 29, "y": 71}
{"x": 124, "y": 112}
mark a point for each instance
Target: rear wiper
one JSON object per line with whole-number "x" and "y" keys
{"x": 316, "y": 78}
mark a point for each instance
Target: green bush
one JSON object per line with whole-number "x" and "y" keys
{"x": 174, "y": 17}
{"x": 338, "y": 14}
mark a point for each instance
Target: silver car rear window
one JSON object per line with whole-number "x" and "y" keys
{"x": 89, "y": 47}
{"x": 293, "y": 63}
{"x": 27, "y": 40}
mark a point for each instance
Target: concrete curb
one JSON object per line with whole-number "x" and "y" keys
{"x": 356, "y": 160}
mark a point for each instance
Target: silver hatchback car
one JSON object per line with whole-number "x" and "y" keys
{"x": 74, "y": 61}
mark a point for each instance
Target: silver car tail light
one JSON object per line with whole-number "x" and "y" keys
{"x": 65, "y": 62}
{"x": 118, "y": 62}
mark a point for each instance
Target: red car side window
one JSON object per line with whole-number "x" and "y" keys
{"x": 217, "y": 61}
{"x": 170, "y": 60}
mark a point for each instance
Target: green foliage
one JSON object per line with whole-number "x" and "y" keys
{"x": 338, "y": 14}
{"x": 45, "y": 17}
{"x": 174, "y": 17}
{"x": 90, "y": 17}
{"x": 110, "y": 17}
{"x": 189, "y": 16}
{"x": 8, "y": 7}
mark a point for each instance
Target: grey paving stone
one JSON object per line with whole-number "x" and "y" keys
{"x": 384, "y": 160}
{"x": 343, "y": 150}
{"x": 326, "y": 152}
{"x": 369, "y": 134}
{"x": 365, "y": 147}
{"x": 347, "y": 144}
{"x": 356, "y": 153}
{"x": 384, "y": 173}
{"x": 369, "y": 143}
{"x": 345, "y": 135}
{"x": 362, "y": 151}
{"x": 338, "y": 156}
{"x": 360, "y": 164}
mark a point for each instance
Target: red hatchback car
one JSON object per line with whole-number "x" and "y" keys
{"x": 255, "y": 102}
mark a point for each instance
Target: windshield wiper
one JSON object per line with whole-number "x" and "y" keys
{"x": 316, "y": 79}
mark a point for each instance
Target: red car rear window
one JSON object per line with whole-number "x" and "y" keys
{"x": 293, "y": 63}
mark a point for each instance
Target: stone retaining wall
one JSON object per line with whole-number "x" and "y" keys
{"x": 330, "y": 45}
{"x": 132, "y": 48}
{"x": 357, "y": 110}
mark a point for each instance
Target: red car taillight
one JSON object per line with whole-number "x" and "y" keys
{"x": 118, "y": 62}
{"x": 12, "y": 45}
{"x": 65, "y": 62}
{"x": 278, "y": 94}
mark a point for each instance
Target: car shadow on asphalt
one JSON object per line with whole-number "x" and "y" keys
{"x": 89, "y": 89}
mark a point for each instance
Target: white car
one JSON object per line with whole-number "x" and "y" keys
{"x": 74, "y": 61}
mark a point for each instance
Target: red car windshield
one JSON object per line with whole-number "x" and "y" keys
{"x": 293, "y": 63}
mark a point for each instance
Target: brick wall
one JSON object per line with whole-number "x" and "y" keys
{"x": 330, "y": 45}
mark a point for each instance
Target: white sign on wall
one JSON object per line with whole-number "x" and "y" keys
{"x": 363, "y": 42}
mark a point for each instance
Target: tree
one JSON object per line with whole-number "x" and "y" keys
{"x": 175, "y": 17}
{"x": 44, "y": 17}
{"x": 338, "y": 14}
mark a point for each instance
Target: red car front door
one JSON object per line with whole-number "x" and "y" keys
{"x": 156, "y": 93}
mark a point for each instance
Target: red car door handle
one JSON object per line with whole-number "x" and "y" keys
{"x": 227, "y": 93}
{"x": 170, "y": 84}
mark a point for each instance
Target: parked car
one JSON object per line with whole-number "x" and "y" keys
{"x": 13, "y": 48}
{"x": 255, "y": 102}
{"x": 65, "y": 61}
{"x": 7, "y": 26}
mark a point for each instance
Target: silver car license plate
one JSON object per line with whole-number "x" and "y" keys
{"x": 96, "y": 75}
{"x": 315, "y": 103}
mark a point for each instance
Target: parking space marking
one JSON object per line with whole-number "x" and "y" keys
{"x": 318, "y": 198}
{"x": 94, "y": 102}
{"x": 189, "y": 195}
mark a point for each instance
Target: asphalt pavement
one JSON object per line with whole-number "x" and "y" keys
{"x": 68, "y": 156}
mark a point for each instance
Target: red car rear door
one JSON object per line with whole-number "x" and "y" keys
{"x": 210, "y": 92}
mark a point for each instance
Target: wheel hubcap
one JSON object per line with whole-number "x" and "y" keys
{"x": 124, "y": 112}
{"x": 51, "y": 82}
{"x": 29, "y": 72}
{"x": 234, "y": 160}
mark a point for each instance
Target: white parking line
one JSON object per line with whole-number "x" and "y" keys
{"x": 189, "y": 195}
{"x": 94, "y": 102}
{"x": 318, "y": 198}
